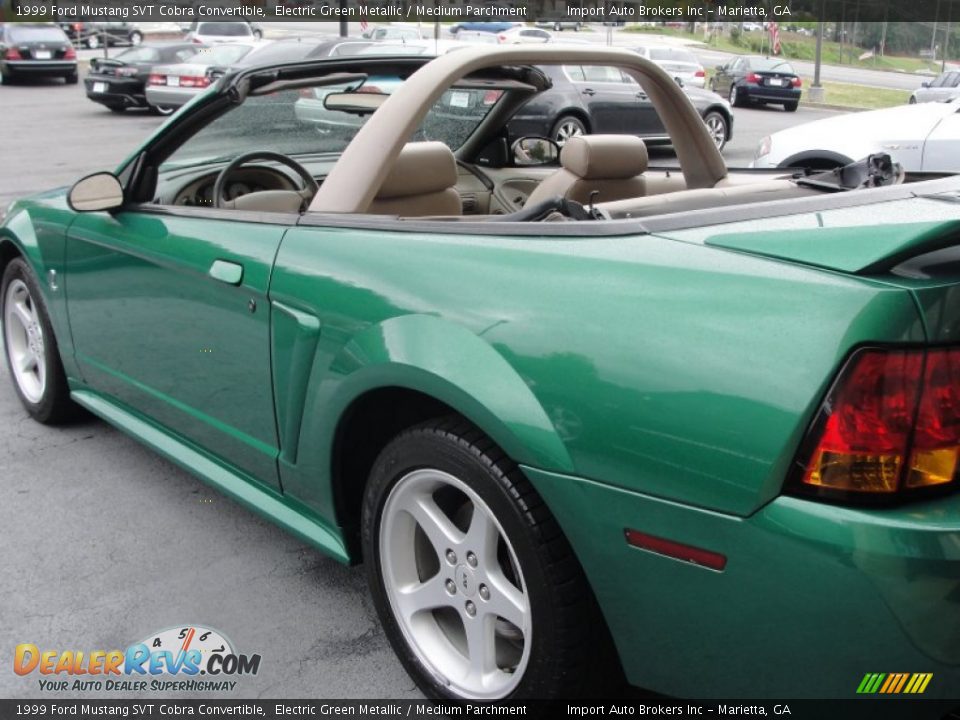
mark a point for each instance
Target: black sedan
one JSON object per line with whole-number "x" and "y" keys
{"x": 753, "y": 78}
{"x": 35, "y": 50}
{"x": 592, "y": 99}
{"x": 119, "y": 82}
{"x": 95, "y": 34}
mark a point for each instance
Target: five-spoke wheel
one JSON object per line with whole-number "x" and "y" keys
{"x": 478, "y": 590}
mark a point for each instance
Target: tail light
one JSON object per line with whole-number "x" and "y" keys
{"x": 194, "y": 81}
{"x": 797, "y": 82}
{"x": 78, "y": 26}
{"x": 70, "y": 54}
{"x": 490, "y": 97}
{"x": 370, "y": 89}
{"x": 126, "y": 71}
{"x": 501, "y": 38}
{"x": 889, "y": 427}
{"x": 13, "y": 54}
{"x": 700, "y": 73}
{"x": 308, "y": 93}
{"x": 753, "y": 78}
{"x": 157, "y": 79}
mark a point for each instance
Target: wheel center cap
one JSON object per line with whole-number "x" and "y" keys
{"x": 465, "y": 580}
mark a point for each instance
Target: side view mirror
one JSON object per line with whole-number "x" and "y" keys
{"x": 100, "y": 191}
{"x": 925, "y": 83}
{"x": 528, "y": 151}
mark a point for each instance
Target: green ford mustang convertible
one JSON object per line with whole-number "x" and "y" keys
{"x": 575, "y": 414}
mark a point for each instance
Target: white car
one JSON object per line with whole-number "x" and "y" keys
{"x": 212, "y": 33}
{"x": 523, "y": 35}
{"x": 391, "y": 33}
{"x": 678, "y": 62}
{"x": 924, "y": 137}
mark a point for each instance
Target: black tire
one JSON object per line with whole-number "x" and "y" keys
{"x": 719, "y": 127}
{"x": 71, "y": 79}
{"x": 560, "y": 128}
{"x": 736, "y": 97}
{"x": 913, "y": 100}
{"x": 565, "y": 645}
{"x": 791, "y": 106}
{"x": 119, "y": 109}
{"x": 258, "y": 34}
{"x": 54, "y": 405}
{"x": 713, "y": 85}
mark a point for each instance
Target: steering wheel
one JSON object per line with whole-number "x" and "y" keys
{"x": 266, "y": 200}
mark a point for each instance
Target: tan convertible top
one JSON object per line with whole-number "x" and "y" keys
{"x": 355, "y": 179}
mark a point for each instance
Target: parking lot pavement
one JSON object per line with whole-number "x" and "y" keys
{"x": 104, "y": 542}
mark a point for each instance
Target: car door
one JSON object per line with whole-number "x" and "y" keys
{"x": 721, "y": 81}
{"x": 643, "y": 118}
{"x": 610, "y": 102}
{"x": 169, "y": 313}
{"x": 941, "y": 150}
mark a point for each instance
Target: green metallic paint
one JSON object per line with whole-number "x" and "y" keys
{"x": 36, "y": 227}
{"x": 284, "y": 511}
{"x": 154, "y": 330}
{"x": 294, "y": 337}
{"x": 842, "y": 591}
{"x": 848, "y": 249}
{"x": 656, "y": 388}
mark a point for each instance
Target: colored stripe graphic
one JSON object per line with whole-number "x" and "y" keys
{"x": 894, "y": 683}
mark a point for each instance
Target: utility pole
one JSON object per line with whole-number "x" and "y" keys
{"x": 946, "y": 37}
{"x": 816, "y": 90}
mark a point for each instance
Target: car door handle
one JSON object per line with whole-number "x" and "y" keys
{"x": 589, "y": 91}
{"x": 227, "y": 272}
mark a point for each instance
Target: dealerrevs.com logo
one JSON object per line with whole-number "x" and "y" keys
{"x": 179, "y": 659}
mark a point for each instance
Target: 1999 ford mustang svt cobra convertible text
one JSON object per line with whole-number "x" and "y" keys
{"x": 701, "y": 424}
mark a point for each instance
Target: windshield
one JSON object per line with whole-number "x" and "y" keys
{"x": 298, "y": 123}
{"x": 37, "y": 34}
{"x": 238, "y": 29}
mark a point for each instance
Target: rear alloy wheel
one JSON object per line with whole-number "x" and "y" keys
{"x": 31, "y": 348}
{"x": 735, "y": 96}
{"x": 136, "y": 38}
{"x": 717, "y": 125}
{"x": 567, "y": 127}
{"x": 93, "y": 42}
{"x": 478, "y": 591}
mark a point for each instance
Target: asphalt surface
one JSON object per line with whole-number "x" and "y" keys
{"x": 105, "y": 543}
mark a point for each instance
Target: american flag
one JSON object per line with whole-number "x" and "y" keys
{"x": 774, "y": 38}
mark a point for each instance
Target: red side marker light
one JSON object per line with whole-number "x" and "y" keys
{"x": 679, "y": 551}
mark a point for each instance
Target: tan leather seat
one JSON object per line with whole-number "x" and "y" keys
{"x": 612, "y": 165}
{"x": 421, "y": 182}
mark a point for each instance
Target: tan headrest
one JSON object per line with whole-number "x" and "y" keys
{"x": 604, "y": 157}
{"x": 421, "y": 168}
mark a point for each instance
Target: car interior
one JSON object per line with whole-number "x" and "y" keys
{"x": 458, "y": 162}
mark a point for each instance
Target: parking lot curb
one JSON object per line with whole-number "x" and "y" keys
{"x": 828, "y": 106}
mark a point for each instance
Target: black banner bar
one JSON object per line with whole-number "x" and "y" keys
{"x": 865, "y": 709}
{"x": 385, "y": 11}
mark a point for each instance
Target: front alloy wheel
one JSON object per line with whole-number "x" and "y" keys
{"x": 31, "y": 348}
{"x": 478, "y": 590}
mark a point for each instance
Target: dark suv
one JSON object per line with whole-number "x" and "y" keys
{"x": 36, "y": 50}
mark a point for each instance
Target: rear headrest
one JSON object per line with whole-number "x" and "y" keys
{"x": 604, "y": 157}
{"x": 420, "y": 169}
